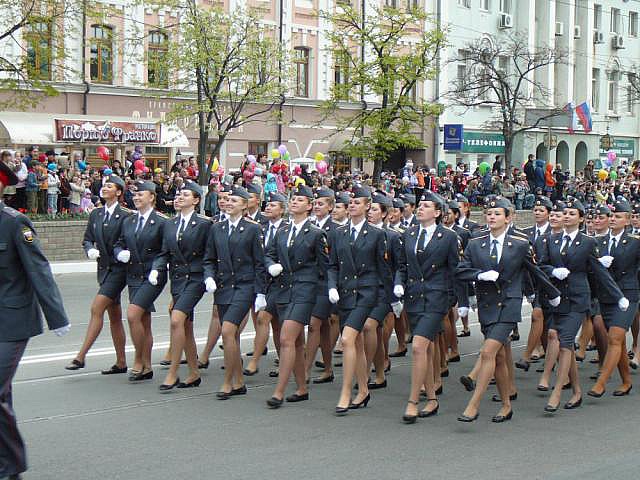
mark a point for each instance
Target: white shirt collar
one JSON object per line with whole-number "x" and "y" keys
{"x": 430, "y": 229}
{"x": 343, "y": 223}
{"x": 109, "y": 210}
{"x": 461, "y": 220}
{"x": 358, "y": 227}
{"x": 572, "y": 235}
{"x": 187, "y": 218}
{"x": 298, "y": 226}
{"x": 617, "y": 237}
{"x": 379, "y": 225}
{"x": 499, "y": 238}
{"x": 233, "y": 224}
{"x": 146, "y": 215}
{"x": 275, "y": 224}
{"x": 322, "y": 222}
{"x": 542, "y": 229}
{"x": 253, "y": 215}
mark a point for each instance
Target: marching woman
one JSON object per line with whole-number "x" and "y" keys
{"x": 103, "y": 230}
{"x": 139, "y": 244}
{"x": 357, "y": 268}
{"x": 432, "y": 254}
{"x": 234, "y": 270}
{"x": 498, "y": 262}
{"x": 296, "y": 258}
{"x": 622, "y": 258}
{"x": 183, "y": 248}
{"x": 568, "y": 260}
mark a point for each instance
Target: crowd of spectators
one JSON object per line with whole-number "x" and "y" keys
{"x": 53, "y": 185}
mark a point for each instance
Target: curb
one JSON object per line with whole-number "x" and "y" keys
{"x": 73, "y": 267}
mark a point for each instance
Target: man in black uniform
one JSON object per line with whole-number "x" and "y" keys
{"x": 26, "y": 286}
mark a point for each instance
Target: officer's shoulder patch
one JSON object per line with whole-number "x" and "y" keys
{"x": 247, "y": 219}
{"x": 28, "y": 234}
{"x": 631, "y": 235}
{"x": 518, "y": 237}
{"x": 126, "y": 210}
{"x": 11, "y": 212}
{"x": 162, "y": 215}
{"x": 481, "y": 237}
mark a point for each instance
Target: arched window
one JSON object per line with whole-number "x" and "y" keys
{"x": 157, "y": 72}
{"x": 101, "y": 60}
{"x": 301, "y": 60}
{"x": 38, "y": 46}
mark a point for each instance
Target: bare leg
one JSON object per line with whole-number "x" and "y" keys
{"x": 600, "y": 334}
{"x": 349, "y": 360}
{"x": 215, "y": 329}
{"x": 148, "y": 340}
{"x": 504, "y": 382}
{"x": 362, "y": 370}
{"x": 586, "y": 333}
{"x": 231, "y": 355}
{"x": 289, "y": 338}
{"x": 550, "y": 358}
{"x": 508, "y": 365}
{"x": 611, "y": 361}
{"x": 370, "y": 338}
{"x": 261, "y": 339}
{"x": 101, "y": 304}
{"x": 450, "y": 333}
{"x": 178, "y": 340}
{"x": 134, "y": 316}
{"x": 378, "y": 359}
{"x": 566, "y": 358}
{"x": 488, "y": 354}
{"x": 326, "y": 347}
{"x": 191, "y": 352}
{"x": 313, "y": 342}
{"x": 419, "y": 377}
{"x": 534, "y": 333}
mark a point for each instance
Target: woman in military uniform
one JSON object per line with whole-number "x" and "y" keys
{"x": 139, "y": 244}
{"x": 183, "y": 247}
{"x": 234, "y": 270}
{"x": 295, "y": 259}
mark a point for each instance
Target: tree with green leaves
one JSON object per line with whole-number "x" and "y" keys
{"x": 386, "y": 55}
{"x": 231, "y": 61}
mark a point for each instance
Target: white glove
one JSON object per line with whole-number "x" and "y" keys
{"x": 554, "y": 302}
{"x": 463, "y": 311}
{"x": 153, "y": 277}
{"x": 531, "y": 299}
{"x": 623, "y": 304}
{"x": 398, "y": 291}
{"x": 260, "y": 303}
{"x": 560, "y": 273}
{"x": 473, "y": 303}
{"x": 490, "y": 276}
{"x": 62, "y": 330}
{"x": 124, "y": 256}
{"x": 275, "y": 269}
{"x": 93, "y": 254}
{"x": 210, "y": 285}
{"x": 334, "y": 297}
{"x": 397, "y": 308}
{"x": 606, "y": 261}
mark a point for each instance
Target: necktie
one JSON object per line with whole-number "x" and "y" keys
{"x": 292, "y": 238}
{"x": 421, "y": 240}
{"x": 269, "y": 236}
{"x": 232, "y": 229}
{"x": 612, "y": 246}
{"x": 352, "y": 238}
{"x": 107, "y": 216}
{"x": 537, "y": 234}
{"x": 140, "y": 224}
{"x": 494, "y": 252}
{"x": 180, "y": 230}
{"x": 565, "y": 246}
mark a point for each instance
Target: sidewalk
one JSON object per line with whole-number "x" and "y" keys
{"x": 59, "y": 268}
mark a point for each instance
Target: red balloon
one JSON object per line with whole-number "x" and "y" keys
{"x": 145, "y": 169}
{"x": 137, "y": 172}
{"x": 138, "y": 165}
{"x": 103, "y": 152}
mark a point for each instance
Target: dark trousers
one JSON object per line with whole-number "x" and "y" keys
{"x": 12, "y": 454}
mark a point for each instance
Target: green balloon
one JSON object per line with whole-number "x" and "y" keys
{"x": 483, "y": 168}
{"x": 613, "y": 175}
{"x": 287, "y": 155}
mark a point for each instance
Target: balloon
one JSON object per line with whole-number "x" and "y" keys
{"x": 613, "y": 175}
{"x": 215, "y": 166}
{"x": 319, "y": 156}
{"x": 275, "y": 169}
{"x": 282, "y": 149}
{"x": 297, "y": 170}
{"x": 82, "y": 166}
{"x": 258, "y": 171}
{"x": 136, "y": 156}
{"x": 138, "y": 149}
{"x": 220, "y": 170}
{"x": 322, "y": 166}
{"x": 138, "y": 165}
{"x": 248, "y": 175}
{"x": 108, "y": 171}
{"x": 300, "y": 181}
{"x": 103, "y": 152}
{"x": 275, "y": 153}
{"x": 286, "y": 156}
{"x": 603, "y": 174}
{"x": 137, "y": 172}
{"x": 145, "y": 169}
{"x": 251, "y": 158}
{"x": 611, "y": 155}
{"x": 157, "y": 170}
{"x": 483, "y": 168}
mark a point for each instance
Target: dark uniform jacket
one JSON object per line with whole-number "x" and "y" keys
{"x": 501, "y": 301}
{"x": 427, "y": 273}
{"x": 144, "y": 246}
{"x": 26, "y": 281}
{"x": 183, "y": 255}
{"x": 357, "y": 270}
{"x": 103, "y": 236}
{"x": 463, "y": 234}
{"x": 581, "y": 259}
{"x": 624, "y": 268}
{"x": 329, "y": 228}
{"x": 235, "y": 262}
{"x": 301, "y": 264}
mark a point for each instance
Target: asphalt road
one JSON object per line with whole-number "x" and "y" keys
{"x": 84, "y": 425}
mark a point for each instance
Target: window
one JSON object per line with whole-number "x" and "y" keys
{"x": 341, "y": 68}
{"x": 503, "y": 65}
{"x": 630, "y": 99}
{"x": 612, "y": 96}
{"x": 157, "y": 74}
{"x": 595, "y": 89}
{"x": 464, "y": 3}
{"x": 413, "y": 4}
{"x": 485, "y": 5}
{"x": 615, "y": 20}
{"x": 101, "y": 66}
{"x": 412, "y": 94}
{"x": 461, "y": 70}
{"x": 391, "y": 3}
{"x": 301, "y": 59}
{"x": 505, "y": 6}
{"x": 38, "y": 47}
{"x": 257, "y": 148}
{"x": 597, "y": 17}
{"x": 633, "y": 24}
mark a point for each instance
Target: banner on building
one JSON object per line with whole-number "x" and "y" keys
{"x": 483, "y": 142}
{"x": 453, "y": 135}
{"x": 106, "y": 131}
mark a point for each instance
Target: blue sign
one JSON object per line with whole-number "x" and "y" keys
{"x": 453, "y": 137}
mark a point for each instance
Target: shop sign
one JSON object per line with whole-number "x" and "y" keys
{"x": 481, "y": 142}
{"x": 453, "y": 135}
{"x": 106, "y": 131}
{"x": 623, "y": 147}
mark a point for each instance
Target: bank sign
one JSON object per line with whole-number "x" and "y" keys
{"x": 481, "y": 142}
{"x": 106, "y": 131}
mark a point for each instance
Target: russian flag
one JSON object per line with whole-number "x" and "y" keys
{"x": 573, "y": 119}
{"x": 584, "y": 115}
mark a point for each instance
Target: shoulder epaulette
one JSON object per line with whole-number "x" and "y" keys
{"x": 519, "y": 237}
{"x": 162, "y": 215}
{"x": 482, "y": 237}
{"x": 10, "y": 211}
{"x": 249, "y": 220}
{"x": 125, "y": 209}
{"x": 204, "y": 217}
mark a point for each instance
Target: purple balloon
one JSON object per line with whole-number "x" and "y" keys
{"x": 138, "y": 148}
{"x": 251, "y": 158}
{"x": 282, "y": 149}
{"x": 136, "y": 156}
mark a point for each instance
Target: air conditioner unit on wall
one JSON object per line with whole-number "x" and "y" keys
{"x": 577, "y": 32}
{"x": 617, "y": 42}
{"x": 598, "y": 36}
{"x": 559, "y": 29}
{"x": 506, "y": 21}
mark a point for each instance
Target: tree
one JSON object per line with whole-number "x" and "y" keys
{"x": 501, "y": 73}
{"x": 232, "y": 62}
{"x": 387, "y": 55}
{"x": 34, "y": 52}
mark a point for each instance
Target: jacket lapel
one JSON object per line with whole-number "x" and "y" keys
{"x": 283, "y": 245}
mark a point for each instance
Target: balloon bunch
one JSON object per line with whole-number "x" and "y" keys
{"x": 137, "y": 153}
{"x": 321, "y": 165}
{"x": 103, "y": 153}
{"x": 611, "y": 157}
{"x": 281, "y": 152}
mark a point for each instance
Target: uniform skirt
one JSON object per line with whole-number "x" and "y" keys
{"x": 380, "y": 311}
{"x": 144, "y": 295}
{"x": 234, "y": 312}
{"x": 186, "y": 300}
{"x": 426, "y": 324}
{"x": 614, "y": 317}
{"x": 298, "y": 312}
{"x": 499, "y": 332}
{"x": 272, "y": 307}
{"x": 113, "y": 285}
{"x": 323, "y": 308}
{"x": 354, "y": 317}
{"x": 567, "y": 326}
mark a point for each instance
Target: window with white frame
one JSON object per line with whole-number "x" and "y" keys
{"x": 461, "y": 70}
{"x": 503, "y": 65}
{"x": 597, "y": 16}
{"x": 630, "y": 99}
{"x": 633, "y": 24}
{"x": 615, "y": 21}
{"x": 612, "y": 90}
{"x": 595, "y": 89}
{"x": 485, "y": 5}
{"x": 505, "y": 6}
{"x": 464, "y": 3}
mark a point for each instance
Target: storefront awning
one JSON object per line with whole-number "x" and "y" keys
{"x": 24, "y": 128}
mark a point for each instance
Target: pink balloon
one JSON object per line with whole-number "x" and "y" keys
{"x": 145, "y": 169}
{"x": 322, "y": 167}
{"x": 138, "y": 165}
{"x": 611, "y": 155}
{"x": 251, "y": 158}
{"x": 137, "y": 172}
{"x": 297, "y": 170}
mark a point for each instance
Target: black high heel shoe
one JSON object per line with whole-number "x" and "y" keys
{"x": 550, "y": 408}
{"x": 503, "y": 418}
{"x": 426, "y": 414}
{"x": 195, "y": 383}
{"x": 140, "y": 376}
{"x": 466, "y": 419}
{"x": 572, "y": 405}
{"x": 409, "y": 419}
{"x": 362, "y": 404}
{"x": 165, "y": 387}
{"x": 203, "y": 365}
{"x": 342, "y": 411}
